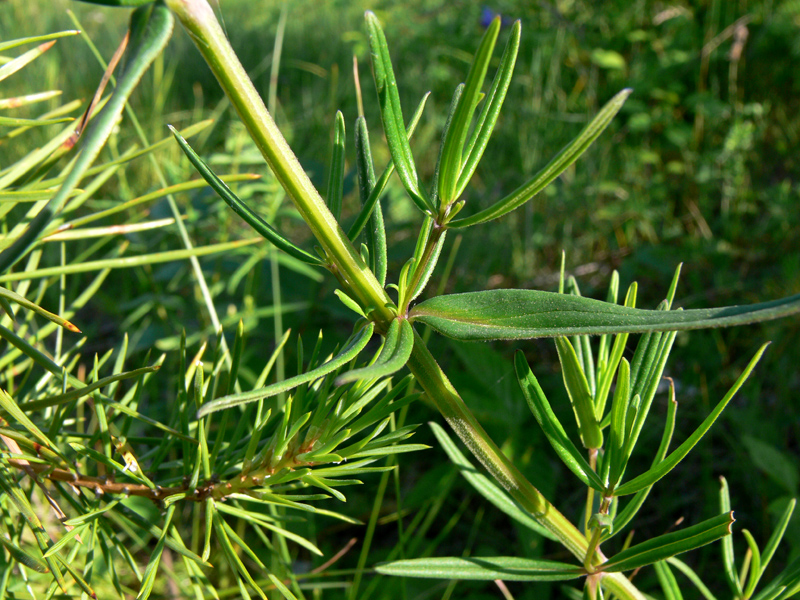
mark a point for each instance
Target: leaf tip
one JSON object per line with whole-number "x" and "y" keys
{"x": 72, "y": 327}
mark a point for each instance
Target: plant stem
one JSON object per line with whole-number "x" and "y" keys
{"x": 452, "y": 407}
{"x": 199, "y": 20}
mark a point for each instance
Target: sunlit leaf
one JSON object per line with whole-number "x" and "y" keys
{"x": 524, "y": 314}
{"x": 554, "y": 168}
{"x": 507, "y": 568}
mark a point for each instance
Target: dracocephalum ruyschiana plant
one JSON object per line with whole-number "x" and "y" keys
{"x": 309, "y": 428}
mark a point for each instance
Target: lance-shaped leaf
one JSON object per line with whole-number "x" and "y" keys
{"x": 453, "y": 145}
{"x": 554, "y": 168}
{"x": 392, "y": 114}
{"x": 376, "y": 191}
{"x": 524, "y": 314}
{"x": 451, "y": 111}
{"x": 375, "y": 233}
{"x": 670, "y": 544}
{"x": 150, "y": 29}
{"x": 336, "y": 169}
{"x": 14, "y": 297}
{"x": 19, "y": 555}
{"x": 393, "y": 357}
{"x": 489, "y": 568}
{"x": 348, "y": 353}
{"x": 665, "y": 466}
{"x": 16, "y": 122}
{"x": 579, "y": 395}
{"x": 485, "y": 486}
{"x": 240, "y": 208}
{"x": 551, "y": 426}
{"x": 492, "y": 104}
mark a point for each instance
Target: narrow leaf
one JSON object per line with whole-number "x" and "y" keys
{"x": 551, "y": 426}
{"x": 14, "y": 297}
{"x": 524, "y": 314}
{"x": 453, "y": 145}
{"x": 15, "y": 65}
{"x": 506, "y": 568}
{"x": 240, "y": 208}
{"x": 19, "y": 555}
{"x": 492, "y": 104}
{"x": 336, "y": 168}
{"x": 348, "y": 353}
{"x": 657, "y": 472}
{"x": 392, "y": 114}
{"x": 391, "y": 359}
{"x": 670, "y": 544}
{"x": 379, "y": 186}
{"x": 36, "y": 39}
{"x": 376, "y": 231}
{"x": 554, "y": 168}
{"x": 579, "y": 395}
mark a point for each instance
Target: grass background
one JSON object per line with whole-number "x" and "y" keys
{"x": 700, "y": 167}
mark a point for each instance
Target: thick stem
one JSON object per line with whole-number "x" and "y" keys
{"x": 201, "y": 23}
{"x": 450, "y": 404}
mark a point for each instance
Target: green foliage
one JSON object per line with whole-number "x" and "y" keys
{"x": 212, "y": 454}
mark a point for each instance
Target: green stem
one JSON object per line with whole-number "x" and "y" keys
{"x": 199, "y": 20}
{"x": 452, "y": 407}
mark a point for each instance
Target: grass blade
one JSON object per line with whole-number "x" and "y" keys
{"x": 14, "y": 297}
{"x": 150, "y": 29}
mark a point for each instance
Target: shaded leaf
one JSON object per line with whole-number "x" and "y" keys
{"x": 551, "y": 426}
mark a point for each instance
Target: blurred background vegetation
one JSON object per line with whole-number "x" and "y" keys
{"x": 700, "y": 167}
